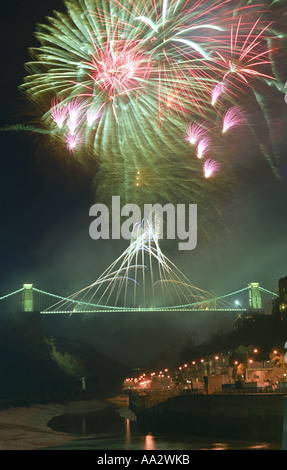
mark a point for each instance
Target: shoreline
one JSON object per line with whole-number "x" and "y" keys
{"x": 26, "y": 428}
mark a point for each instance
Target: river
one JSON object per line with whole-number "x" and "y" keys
{"x": 111, "y": 429}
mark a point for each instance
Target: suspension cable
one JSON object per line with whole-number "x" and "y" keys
{"x": 12, "y": 293}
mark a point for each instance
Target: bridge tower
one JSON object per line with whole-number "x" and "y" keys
{"x": 254, "y": 295}
{"x": 27, "y": 298}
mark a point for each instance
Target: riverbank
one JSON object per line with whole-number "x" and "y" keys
{"x": 25, "y": 428}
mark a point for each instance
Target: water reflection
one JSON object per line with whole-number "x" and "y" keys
{"x": 220, "y": 446}
{"x": 259, "y": 446}
{"x": 107, "y": 429}
{"x": 84, "y": 426}
{"x": 128, "y": 431}
{"x": 148, "y": 442}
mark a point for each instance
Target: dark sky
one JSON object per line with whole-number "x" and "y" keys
{"x": 45, "y": 206}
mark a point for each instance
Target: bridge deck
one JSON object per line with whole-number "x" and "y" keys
{"x": 127, "y": 310}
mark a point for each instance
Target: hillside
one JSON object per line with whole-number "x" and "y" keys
{"x": 41, "y": 369}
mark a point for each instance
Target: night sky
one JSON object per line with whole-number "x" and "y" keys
{"x": 45, "y": 208}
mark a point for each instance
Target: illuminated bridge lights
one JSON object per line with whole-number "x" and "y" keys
{"x": 127, "y": 310}
{"x": 76, "y": 306}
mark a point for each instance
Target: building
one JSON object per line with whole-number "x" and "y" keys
{"x": 280, "y": 304}
{"x": 259, "y": 371}
{"x": 283, "y": 296}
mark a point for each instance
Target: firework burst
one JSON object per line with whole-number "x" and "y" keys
{"x": 249, "y": 53}
{"x": 106, "y": 73}
{"x": 141, "y": 277}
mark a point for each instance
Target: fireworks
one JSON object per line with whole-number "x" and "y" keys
{"x": 72, "y": 141}
{"x": 141, "y": 277}
{"x": 93, "y": 114}
{"x": 232, "y": 118}
{"x": 203, "y": 146}
{"x": 217, "y": 91}
{"x": 58, "y": 113}
{"x": 194, "y": 132}
{"x": 118, "y": 67}
{"x": 128, "y": 85}
{"x": 210, "y": 168}
{"x": 248, "y": 53}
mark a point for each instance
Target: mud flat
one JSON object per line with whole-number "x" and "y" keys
{"x": 25, "y": 428}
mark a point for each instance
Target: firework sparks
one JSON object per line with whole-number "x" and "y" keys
{"x": 248, "y": 54}
{"x": 203, "y": 147}
{"x": 141, "y": 277}
{"x": 217, "y": 91}
{"x": 233, "y": 118}
{"x": 210, "y": 167}
{"x": 72, "y": 141}
{"x": 93, "y": 114}
{"x": 58, "y": 113}
{"x": 194, "y": 132}
{"x": 116, "y": 68}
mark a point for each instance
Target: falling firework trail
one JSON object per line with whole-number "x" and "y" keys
{"x": 266, "y": 114}
{"x": 22, "y": 128}
{"x": 142, "y": 277}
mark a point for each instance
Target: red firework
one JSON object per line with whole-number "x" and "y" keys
{"x": 118, "y": 67}
{"x": 249, "y": 55}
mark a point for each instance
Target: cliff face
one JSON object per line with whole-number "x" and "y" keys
{"x": 36, "y": 369}
{"x": 233, "y": 416}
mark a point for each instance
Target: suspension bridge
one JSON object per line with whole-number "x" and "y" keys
{"x": 142, "y": 279}
{"x": 30, "y": 298}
